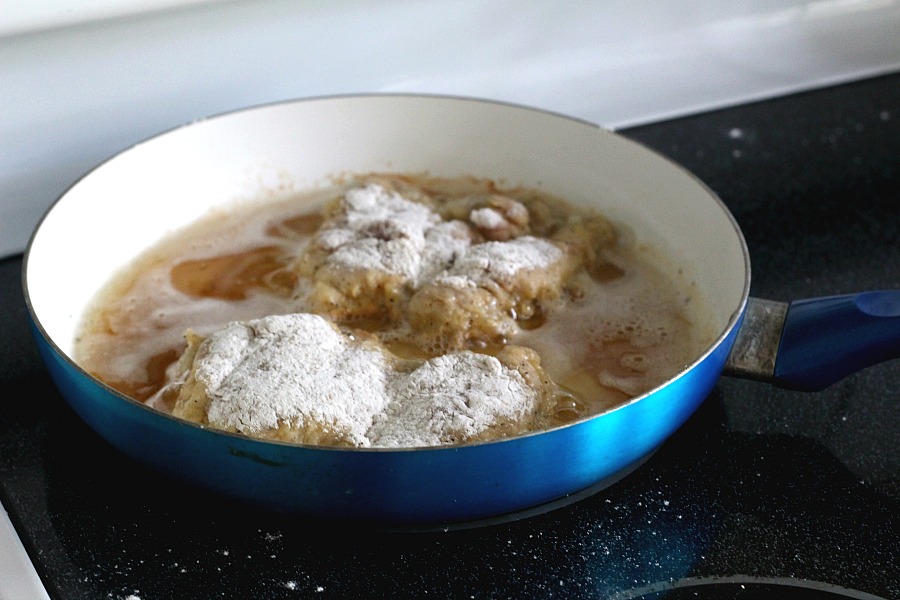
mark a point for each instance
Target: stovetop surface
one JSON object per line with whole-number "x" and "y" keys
{"x": 763, "y": 493}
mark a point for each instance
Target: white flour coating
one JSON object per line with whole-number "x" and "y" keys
{"x": 500, "y": 261}
{"x": 445, "y": 243}
{"x": 291, "y": 368}
{"x": 382, "y": 230}
{"x": 299, "y": 368}
{"x": 452, "y": 398}
{"x": 487, "y": 218}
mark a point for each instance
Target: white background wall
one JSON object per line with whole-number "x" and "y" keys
{"x": 82, "y": 79}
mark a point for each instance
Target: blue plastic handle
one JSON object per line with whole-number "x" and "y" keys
{"x": 827, "y": 339}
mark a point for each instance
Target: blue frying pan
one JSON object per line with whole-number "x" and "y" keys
{"x": 128, "y": 202}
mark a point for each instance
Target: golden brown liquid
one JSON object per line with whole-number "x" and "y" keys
{"x": 297, "y": 226}
{"x": 235, "y": 276}
{"x": 155, "y": 379}
{"x": 627, "y": 324}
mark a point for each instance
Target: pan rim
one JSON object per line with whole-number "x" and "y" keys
{"x": 732, "y": 323}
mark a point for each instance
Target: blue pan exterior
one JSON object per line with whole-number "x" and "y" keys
{"x": 405, "y": 487}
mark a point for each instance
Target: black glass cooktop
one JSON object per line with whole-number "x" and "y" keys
{"x": 764, "y": 493}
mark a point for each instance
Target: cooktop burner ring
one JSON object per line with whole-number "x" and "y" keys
{"x": 744, "y": 587}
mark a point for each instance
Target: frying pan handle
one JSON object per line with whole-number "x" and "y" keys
{"x": 826, "y": 339}
{"x": 810, "y": 344}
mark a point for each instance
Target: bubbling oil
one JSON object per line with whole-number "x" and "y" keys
{"x": 626, "y": 324}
